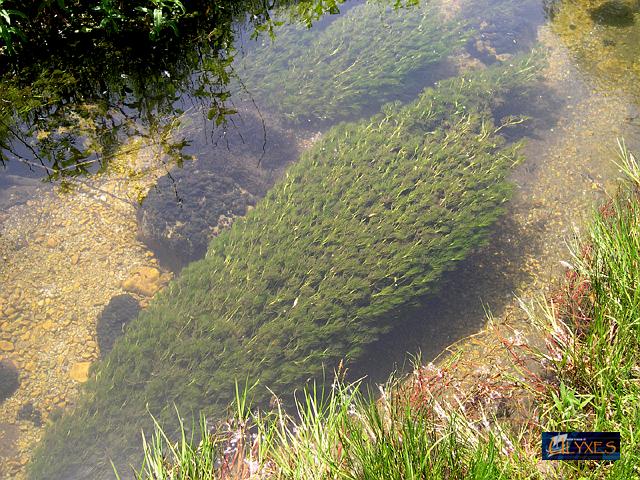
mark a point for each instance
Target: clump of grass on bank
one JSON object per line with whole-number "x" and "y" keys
{"x": 361, "y": 227}
{"x": 338, "y": 433}
{"x": 594, "y": 333}
{"x": 370, "y": 55}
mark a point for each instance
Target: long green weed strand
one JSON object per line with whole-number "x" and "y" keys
{"x": 370, "y": 55}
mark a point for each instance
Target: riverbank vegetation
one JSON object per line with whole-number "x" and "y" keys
{"x": 593, "y": 332}
{"x": 410, "y": 428}
{"x": 337, "y": 433}
{"x": 361, "y": 227}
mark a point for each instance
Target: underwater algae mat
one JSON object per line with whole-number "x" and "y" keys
{"x": 365, "y": 223}
{"x": 370, "y": 55}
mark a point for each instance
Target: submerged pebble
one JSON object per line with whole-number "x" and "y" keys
{"x": 144, "y": 281}
{"x": 80, "y": 371}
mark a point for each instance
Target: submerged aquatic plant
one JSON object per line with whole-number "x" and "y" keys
{"x": 363, "y": 225}
{"x": 370, "y": 55}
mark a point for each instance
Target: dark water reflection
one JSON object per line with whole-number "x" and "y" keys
{"x": 66, "y": 110}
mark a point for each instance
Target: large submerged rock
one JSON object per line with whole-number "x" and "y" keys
{"x": 501, "y": 29}
{"x": 617, "y": 13}
{"x": 192, "y": 204}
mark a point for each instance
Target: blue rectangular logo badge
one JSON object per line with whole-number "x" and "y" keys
{"x": 581, "y": 445}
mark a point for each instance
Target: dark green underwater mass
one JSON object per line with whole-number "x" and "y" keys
{"x": 363, "y": 225}
{"x": 370, "y": 55}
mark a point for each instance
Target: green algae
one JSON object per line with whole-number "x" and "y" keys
{"x": 603, "y": 36}
{"x": 365, "y": 224}
{"x": 370, "y": 55}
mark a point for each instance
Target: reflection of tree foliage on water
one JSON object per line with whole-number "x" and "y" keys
{"x": 68, "y": 103}
{"x": 67, "y": 123}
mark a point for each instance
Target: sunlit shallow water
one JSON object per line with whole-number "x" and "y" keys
{"x": 66, "y": 254}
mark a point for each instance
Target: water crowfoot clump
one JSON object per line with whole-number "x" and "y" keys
{"x": 364, "y": 58}
{"x": 363, "y": 225}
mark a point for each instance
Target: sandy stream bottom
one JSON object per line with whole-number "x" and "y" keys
{"x": 64, "y": 255}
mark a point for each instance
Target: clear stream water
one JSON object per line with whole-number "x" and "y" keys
{"x": 68, "y": 248}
